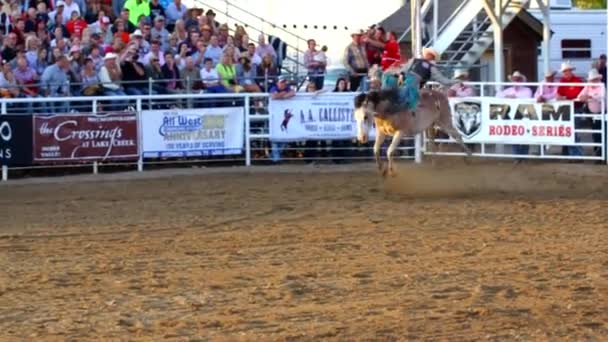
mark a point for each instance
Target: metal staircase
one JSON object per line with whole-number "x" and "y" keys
{"x": 468, "y": 33}
{"x": 293, "y": 64}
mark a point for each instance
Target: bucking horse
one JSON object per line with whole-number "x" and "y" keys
{"x": 433, "y": 111}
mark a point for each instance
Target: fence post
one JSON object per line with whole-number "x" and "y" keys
{"x": 247, "y": 131}
{"x": 138, "y": 115}
{"x": 95, "y": 168}
{"x": 417, "y": 149}
{"x": 603, "y": 128}
{"x": 188, "y": 91}
{"x": 150, "y": 81}
{"x": 4, "y": 173}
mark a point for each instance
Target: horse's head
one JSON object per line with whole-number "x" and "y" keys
{"x": 365, "y": 105}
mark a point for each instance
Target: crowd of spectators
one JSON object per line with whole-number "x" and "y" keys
{"x": 76, "y": 47}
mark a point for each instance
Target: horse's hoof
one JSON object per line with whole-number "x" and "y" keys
{"x": 392, "y": 173}
{"x": 384, "y": 172}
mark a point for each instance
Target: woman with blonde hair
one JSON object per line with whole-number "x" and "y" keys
{"x": 31, "y": 49}
{"x": 180, "y": 30}
{"x": 230, "y": 49}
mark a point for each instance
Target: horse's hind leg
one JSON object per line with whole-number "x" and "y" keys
{"x": 377, "y": 147}
{"x": 452, "y": 132}
{"x": 391, "y": 150}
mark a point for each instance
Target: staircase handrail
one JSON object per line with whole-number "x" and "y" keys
{"x": 264, "y": 20}
{"x": 424, "y": 9}
{"x": 447, "y": 22}
{"x": 298, "y": 51}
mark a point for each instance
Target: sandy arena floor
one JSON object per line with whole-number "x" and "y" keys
{"x": 468, "y": 252}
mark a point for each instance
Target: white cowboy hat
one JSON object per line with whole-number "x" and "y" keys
{"x": 517, "y": 74}
{"x": 460, "y": 72}
{"x": 110, "y": 55}
{"x": 567, "y": 66}
{"x": 431, "y": 51}
{"x": 550, "y": 73}
{"x": 594, "y": 75}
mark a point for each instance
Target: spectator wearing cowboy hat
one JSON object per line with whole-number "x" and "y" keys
{"x": 568, "y": 92}
{"x": 517, "y": 92}
{"x": 461, "y": 89}
{"x": 592, "y": 96}
{"x": 355, "y": 61}
{"x": 547, "y": 92}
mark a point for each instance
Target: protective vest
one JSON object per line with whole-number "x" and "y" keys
{"x": 421, "y": 68}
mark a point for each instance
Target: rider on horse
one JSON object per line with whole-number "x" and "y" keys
{"x": 416, "y": 73}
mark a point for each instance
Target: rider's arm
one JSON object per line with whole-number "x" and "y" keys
{"x": 407, "y": 65}
{"x": 437, "y": 76}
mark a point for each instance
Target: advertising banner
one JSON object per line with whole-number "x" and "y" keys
{"x": 193, "y": 132}
{"x": 90, "y": 137}
{"x": 303, "y": 117}
{"x": 513, "y": 121}
{"x": 15, "y": 140}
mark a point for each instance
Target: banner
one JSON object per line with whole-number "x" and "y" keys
{"x": 193, "y": 132}
{"x": 513, "y": 121}
{"x": 15, "y": 140}
{"x": 77, "y": 137}
{"x": 303, "y": 117}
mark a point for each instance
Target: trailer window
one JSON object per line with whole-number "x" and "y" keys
{"x": 576, "y": 48}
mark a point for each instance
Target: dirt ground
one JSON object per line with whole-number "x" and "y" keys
{"x": 446, "y": 252}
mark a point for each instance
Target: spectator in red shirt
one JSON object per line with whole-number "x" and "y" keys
{"x": 19, "y": 29}
{"x": 76, "y": 25}
{"x": 568, "y": 92}
{"x": 374, "y": 44}
{"x": 391, "y": 55}
{"x": 571, "y": 93}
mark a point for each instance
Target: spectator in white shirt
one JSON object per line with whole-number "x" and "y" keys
{"x": 545, "y": 92}
{"x": 255, "y": 58}
{"x": 211, "y": 79}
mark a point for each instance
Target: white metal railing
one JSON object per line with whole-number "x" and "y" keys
{"x": 542, "y": 152}
{"x": 256, "y": 125}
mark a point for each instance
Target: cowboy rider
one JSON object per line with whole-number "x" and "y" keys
{"x": 418, "y": 71}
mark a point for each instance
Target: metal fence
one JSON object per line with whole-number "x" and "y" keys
{"x": 589, "y": 131}
{"x": 257, "y": 147}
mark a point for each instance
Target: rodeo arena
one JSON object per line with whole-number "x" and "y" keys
{"x": 262, "y": 170}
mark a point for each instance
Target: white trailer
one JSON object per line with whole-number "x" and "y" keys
{"x": 578, "y": 36}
